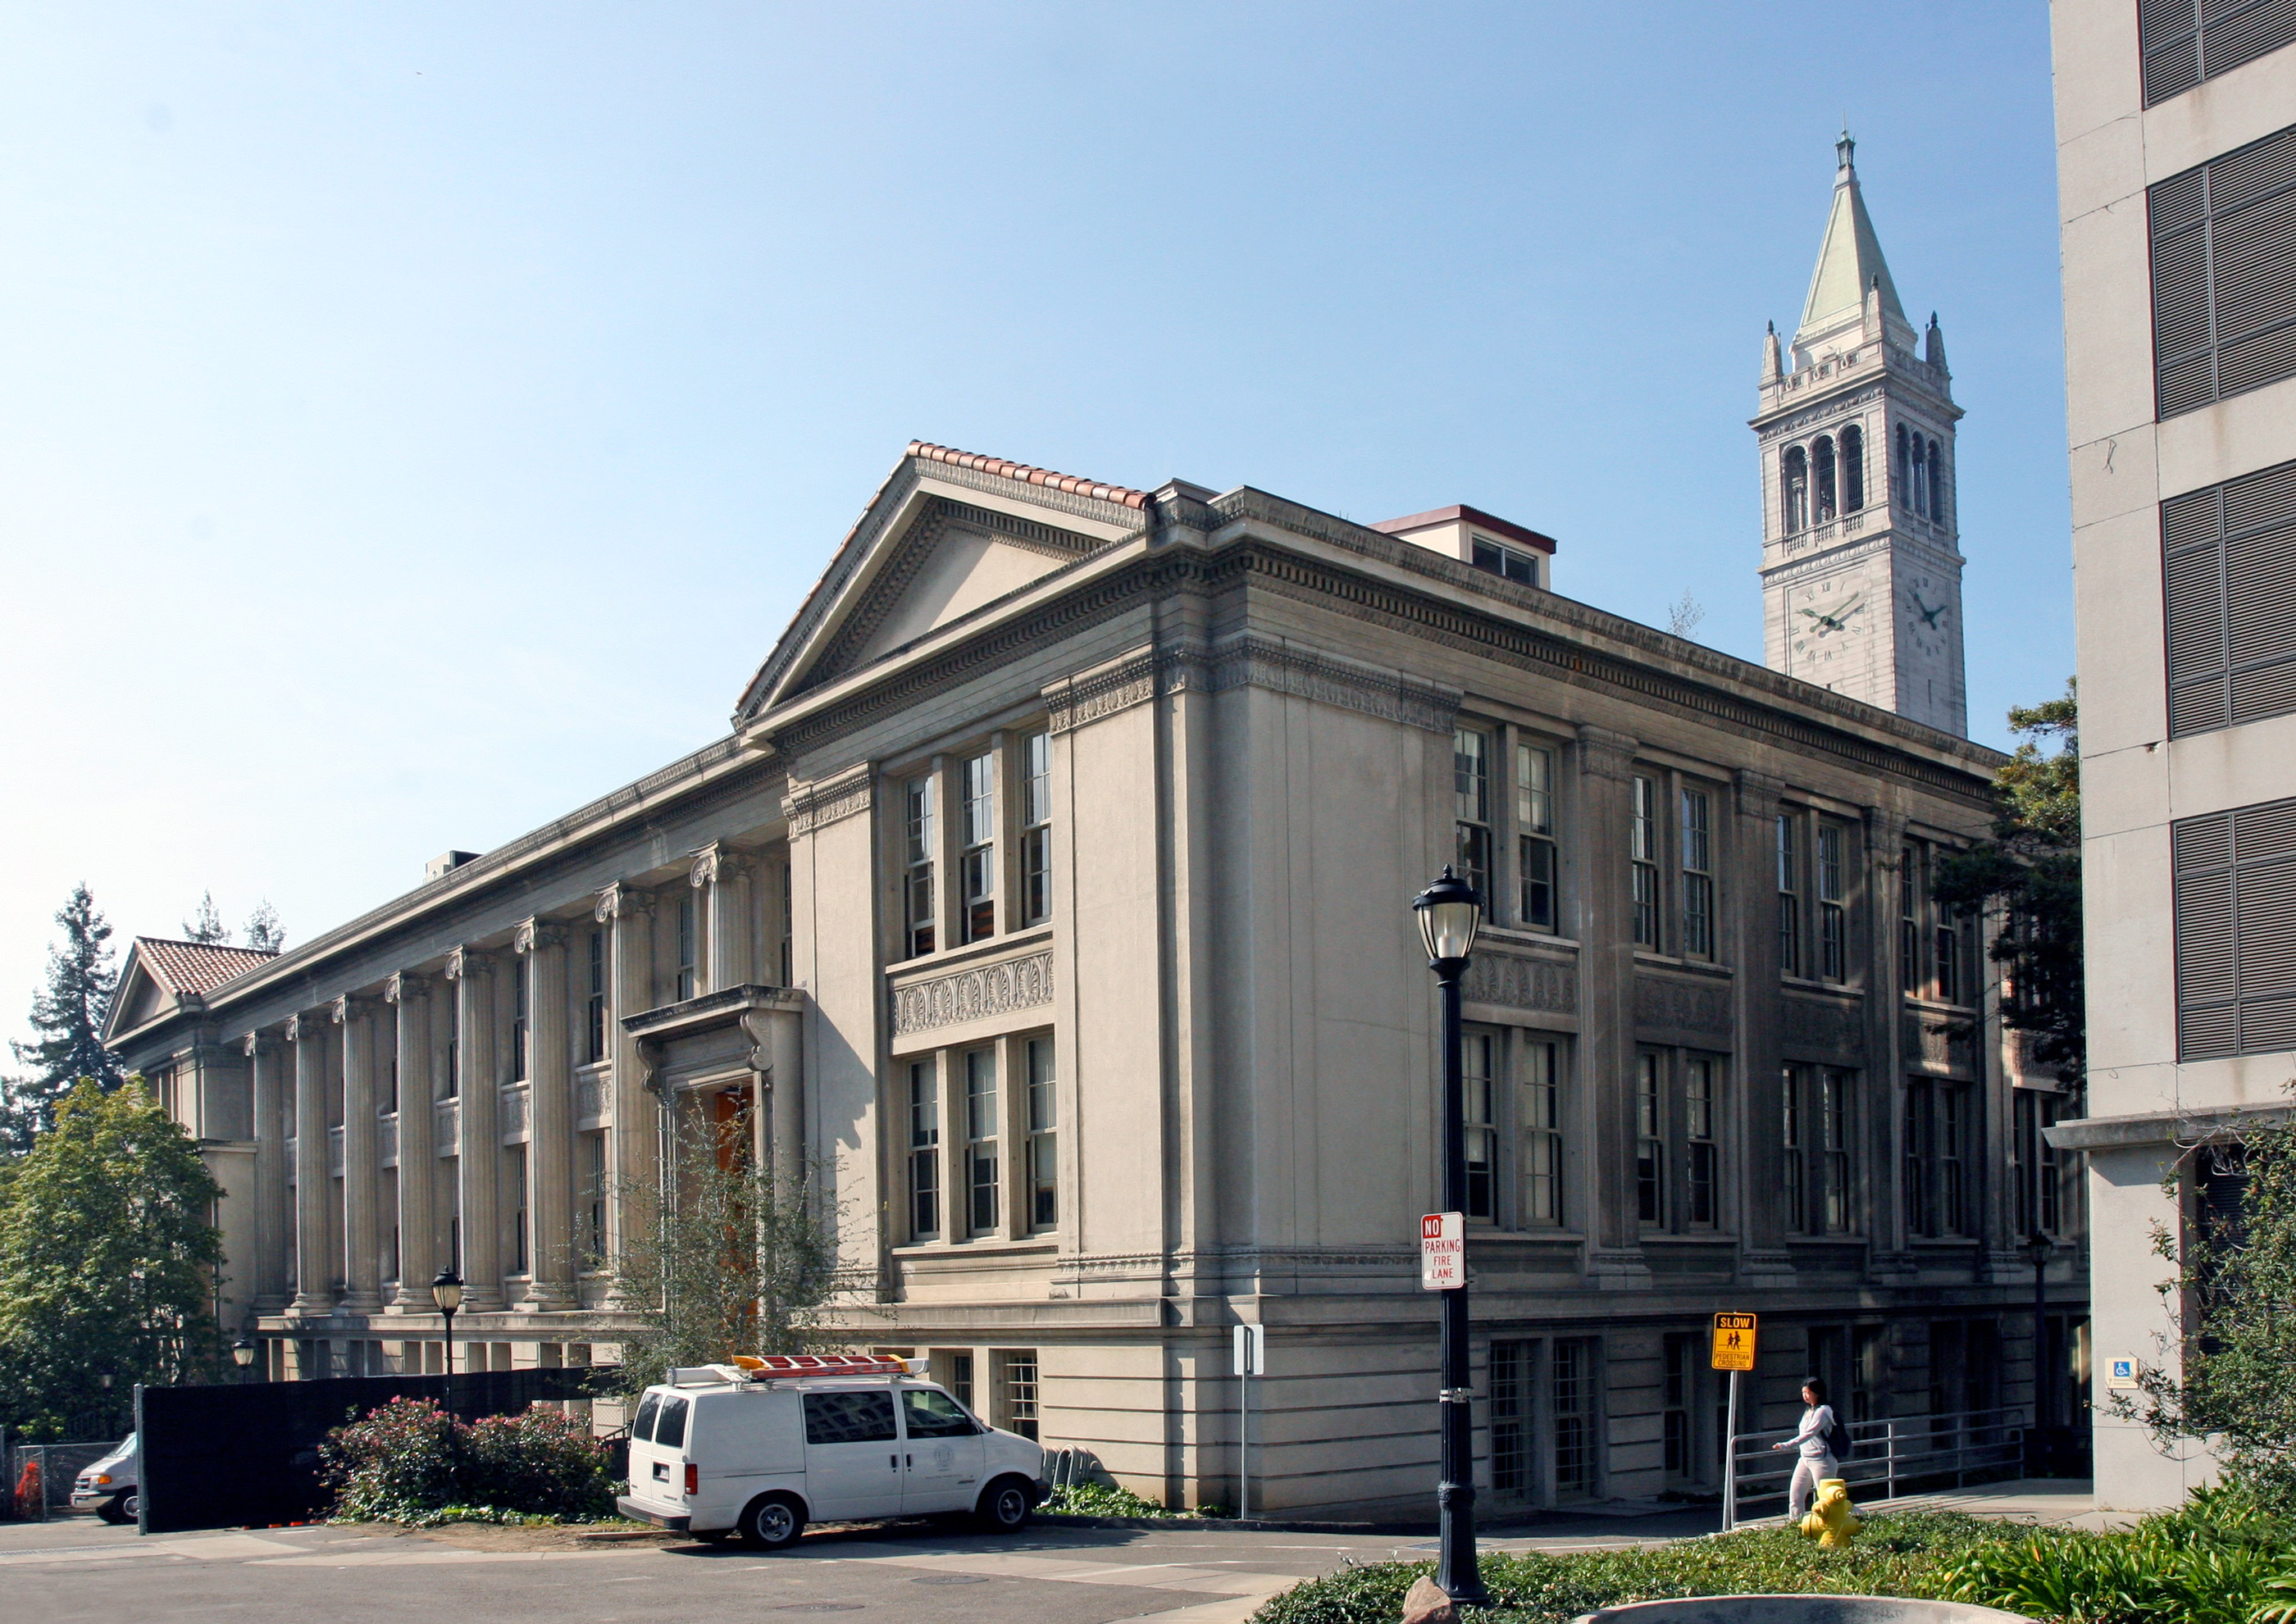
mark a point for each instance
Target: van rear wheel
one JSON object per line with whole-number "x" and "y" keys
{"x": 1004, "y": 1505}
{"x": 772, "y": 1522}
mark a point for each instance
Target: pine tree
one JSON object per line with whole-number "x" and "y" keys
{"x": 207, "y": 925}
{"x": 67, "y": 1017}
{"x": 263, "y": 932}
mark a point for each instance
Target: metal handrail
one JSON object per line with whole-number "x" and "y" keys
{"x": 1957, "y": 1443}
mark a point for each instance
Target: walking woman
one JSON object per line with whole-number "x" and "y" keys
{"x": 1813, "y": 1440}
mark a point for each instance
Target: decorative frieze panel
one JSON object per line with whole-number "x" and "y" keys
{"x": 386, "y": 1140}
{"x": 812, "y": 807}
{"x": 594, "y": 1099}
{"x": 447, "y": 1125}
{"x": 1834, "y": 1029}
{"x": 1680, "y": 1006}
{"x": 334, "y": 1153}
{"x": 1519, "y": 982}
{"x": 510, "y": 1112}
{"x": 1947, "y": 1043}
{"x": 1250, "y": 662}
{"x": 973, "y": 994}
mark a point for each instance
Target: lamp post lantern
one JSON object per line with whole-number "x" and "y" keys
{"x": 1449, "y": 913}
{"x": 243, "y": 1354}
{"x": 447, "y": 1292}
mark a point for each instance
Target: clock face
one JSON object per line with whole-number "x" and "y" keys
{"x": 1926, "y": 614}
{"x": 1823, "y": 618}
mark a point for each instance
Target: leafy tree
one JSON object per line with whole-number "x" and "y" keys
{"x": 207, "y": 925}
{"x": 731, "y": 1264}
{"x": 263, "y": 933}
{"x": 67, "y": 1017}
{"x": 107, "y": 1259}
{"x": 2029, "y": 872}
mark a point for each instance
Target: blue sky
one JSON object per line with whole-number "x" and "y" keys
{"x": 416, "y": 421}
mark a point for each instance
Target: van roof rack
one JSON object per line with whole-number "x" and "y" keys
{"x": 780, "y": 1367}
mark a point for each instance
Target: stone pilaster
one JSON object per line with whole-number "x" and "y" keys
{"x": 722, "y": 875}
{"x": 269, "y": 1086}
{"x": 1606, "y": 1031}
{"x": 409, "y": 995}
{"x": 479, "y": 1149}
{"x": 307, "y": 1035}
{"x": 362, "y": 1177}
{"x": 550, "y": 1117}
{"x": 629, "y": 916}
{"x": 1882, "y": 1142}
{"x": 1752, "y": 888}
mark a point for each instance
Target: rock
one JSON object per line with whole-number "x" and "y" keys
{"x": 1428, "y": 1602}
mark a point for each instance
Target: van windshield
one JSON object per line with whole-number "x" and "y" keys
{"x": 669, "y": 1430}
{"x": 642, "y": 1429}
{"x": 934, "y": 1415}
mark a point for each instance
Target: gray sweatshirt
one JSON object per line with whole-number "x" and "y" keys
{"x": 1813, "y": 1442}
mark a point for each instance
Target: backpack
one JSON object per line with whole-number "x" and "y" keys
{"x": 1839, "y": 1443}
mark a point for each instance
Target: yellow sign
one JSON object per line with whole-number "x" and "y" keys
{"x": 1734, "y": 1342}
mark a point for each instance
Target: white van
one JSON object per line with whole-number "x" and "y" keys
{"x": 108, "y": 1486}
{"x": 763, "y": 1446}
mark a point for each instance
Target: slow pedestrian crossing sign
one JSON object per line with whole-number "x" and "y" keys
{"x": 1734, "y": 1342}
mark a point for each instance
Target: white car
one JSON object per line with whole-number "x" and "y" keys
{"x": 765, "y": 1446}
{"x": 108, "y": 1488}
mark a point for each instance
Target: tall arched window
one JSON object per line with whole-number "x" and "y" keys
{"x": 1900, "y": 491}
{"x": 1821, "y": 460}
{"x": 1937, "y": 482}
{"x": 1793, "y": 483}
{"x": 1921, "y": 476}
{"x": 1853, "y": 468}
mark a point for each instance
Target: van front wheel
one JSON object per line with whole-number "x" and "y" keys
{"x": 772, "y": 1522}
{"x": 1004, "y": 1505}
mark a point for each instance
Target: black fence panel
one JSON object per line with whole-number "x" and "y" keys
{"x": 247, "y": 1455}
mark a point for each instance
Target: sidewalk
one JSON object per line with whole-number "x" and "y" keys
{"x": 2066, "y": 1502}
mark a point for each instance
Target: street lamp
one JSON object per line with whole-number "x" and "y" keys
{"x": 2037, "y": 1249}
{"x": 447, "y": 1292}
{"x": 243, "y": 1354}
{"x": 1450, "y": 914}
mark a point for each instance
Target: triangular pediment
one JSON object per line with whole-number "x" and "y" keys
{"x": 139, "y": 1001}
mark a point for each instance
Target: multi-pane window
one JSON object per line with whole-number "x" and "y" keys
{"x": 1949, "y": 968}
{"x": 1789, "y": 893}
{"x": 1478, "y": 1051}
{"x": 1697, "y": 874}
{"x": 1700, "y": 1155}
{"x": 2040, "y": 1165}
{"x": 981, "y": 1135}
{"x": 1937, "y": 1128}
{"x": 453, "y": 1085}
{"x": 1641, "y": 849}
{"x": 689, "y": 951}
{"x": 1572, "y": 1397}
{"x": 2231, "y": 601}
{"x": 1674, "y": 1403}
{"x": 789, "y": 924}
{"x": 1044, "y": 1136}
{"x": 514, "y": 1175}
{"x": 2189, "y": 42}
{"x": 1833, "y": 1140}
{"x": 2233, "y": 882}
{"x": 2223, "y": 302}
{"x": 1511, "y": 1418}
{"x": 917, "y": 910}
{"x": 521, "y": 1016}
{"x": 1540, "y": 1093}
{"x": 1534, "y": 821}
{"x": 1515, "y": 563}
{"x": 1036, "y": 829}
{"x": 1650, "y": 1146}
{"x": 1794, "y": 1169}
{"x": 1016, "y": 1384}
{"x": 977, "y": 867}
{"x": 594, "y": 1005}
{"x": 594, "y": 1199}
{"x": 1471, "y": 786}
{"x": 1832, "y": 895}
{"x": 924, "y": 1150}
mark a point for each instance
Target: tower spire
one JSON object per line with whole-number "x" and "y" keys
{"x": 1850, "y": 264}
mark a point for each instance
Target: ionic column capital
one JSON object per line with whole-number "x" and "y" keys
{"x": 308, "y": 1024}
{"x": 536, "y": 933}
{"x": 258, "y": 1043}
{"x": 348, "y": 1009}
{"x": 405, "y": 987}
{"x": 716, "y": 861}
{"x": 467, "y": 963}
{"x": 617, "y": 899}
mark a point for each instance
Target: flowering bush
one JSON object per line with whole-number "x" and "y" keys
{"x": 412, "y": 1461}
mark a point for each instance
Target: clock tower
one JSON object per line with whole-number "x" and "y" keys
{"x": 1861, "y": 565}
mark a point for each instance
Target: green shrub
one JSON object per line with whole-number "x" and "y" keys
{"x": 412, "y": 1461}
{"x": 1105, "y": 1500}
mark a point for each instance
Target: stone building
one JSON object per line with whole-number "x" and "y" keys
{"x": 2176, "y": 169}
{"x": 1049, "y": 898}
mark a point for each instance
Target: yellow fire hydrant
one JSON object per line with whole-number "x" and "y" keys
{"x": 1833, "y": 1522}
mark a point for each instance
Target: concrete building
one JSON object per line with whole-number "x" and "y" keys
{"x": 2177, "y": 166}
{"x": 1861, "y": 560}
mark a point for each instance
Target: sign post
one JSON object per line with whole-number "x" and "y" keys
{"x": 1734, "y": 1352}
{"x": 1250, "y": 1360}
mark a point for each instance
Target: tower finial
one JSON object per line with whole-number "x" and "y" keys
{"x": 1845, "y": 150}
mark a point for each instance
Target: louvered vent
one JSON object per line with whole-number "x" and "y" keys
{"x": 2228, "y": 567}
{"x": 2234, "y": 885}
{"x": 2186, "y": 41}
{"x": 2223, "y": 274}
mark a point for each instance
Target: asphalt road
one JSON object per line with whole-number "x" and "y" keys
{"x": 79, "y": 1569}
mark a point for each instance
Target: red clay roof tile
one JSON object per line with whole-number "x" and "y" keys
{"x": 194, "y": 966}
{"x": 1027, "y": 473}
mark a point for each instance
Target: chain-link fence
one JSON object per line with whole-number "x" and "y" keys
{"x": 39, "y": 1476}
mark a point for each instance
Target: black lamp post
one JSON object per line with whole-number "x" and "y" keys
{"x": 1450, "y": 914}
{"x": 243, "y": 1354}
{"x": 447, "y": 1292}
{"x": 2038, "y": 1248}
